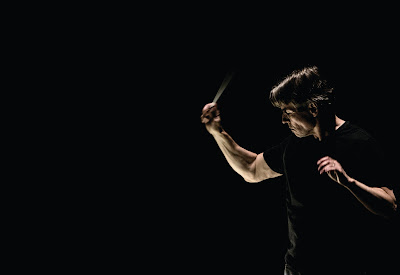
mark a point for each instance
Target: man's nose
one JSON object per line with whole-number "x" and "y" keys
{"x": 285, "y": 118}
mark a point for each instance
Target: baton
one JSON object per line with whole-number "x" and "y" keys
{"x": 225, "y": 83}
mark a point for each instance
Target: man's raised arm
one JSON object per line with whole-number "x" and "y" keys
{"x": 251, "y": 166}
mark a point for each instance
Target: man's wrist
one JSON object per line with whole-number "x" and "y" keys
{"x": 217, "y": 133}
{"x": 350, "y": 182}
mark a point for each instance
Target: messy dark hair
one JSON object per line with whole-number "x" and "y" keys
{"x": 302, "y": 87}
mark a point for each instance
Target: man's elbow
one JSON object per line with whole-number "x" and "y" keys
{"x": 388, "y": 206}
{"x": 250, "y": 176}
{"x": 394, "y": 210}
{"x": 389, "y": 211}
{"x": 253, "y": 177}
{"x": 392, "y": 207}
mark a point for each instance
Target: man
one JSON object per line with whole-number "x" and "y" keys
{"x": 338, "y": 196}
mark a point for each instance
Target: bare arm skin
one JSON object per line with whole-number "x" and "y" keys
{"x": 378, "y": 200}
{"x": 251, "y": 166}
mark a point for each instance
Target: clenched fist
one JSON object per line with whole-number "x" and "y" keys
{"x": 211, "y": 118}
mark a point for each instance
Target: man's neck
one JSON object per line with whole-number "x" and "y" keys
{"x": 322, "y": 133}
{"x": 338, "y": 122}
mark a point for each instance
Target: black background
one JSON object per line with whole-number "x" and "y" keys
{"x": 155, "y": 190}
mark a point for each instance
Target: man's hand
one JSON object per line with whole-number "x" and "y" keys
{"x": 334, "y": 170}
{"x": 211, "y": 118}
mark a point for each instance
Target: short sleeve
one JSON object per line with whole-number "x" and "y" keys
{"x": 274, "y": 156}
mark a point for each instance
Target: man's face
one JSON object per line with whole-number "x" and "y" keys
{"x": 301, "y": 123}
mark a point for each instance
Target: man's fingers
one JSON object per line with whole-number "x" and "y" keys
{"x": 326, "y": 169}
{"x": 205, "y": 118}
{"x": 208, "y": 107}
{"x": 332, "y": 168}
{"x": 209, "y": 112}
{"x": 323, "y": 159}
{"x": 323, "y": 164}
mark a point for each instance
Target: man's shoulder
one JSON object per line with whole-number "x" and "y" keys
{"x": 355, "y": 132}
{"x": 357, "y": 139}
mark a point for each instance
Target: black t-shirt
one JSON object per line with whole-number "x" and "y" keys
{"x": 328, "y": 227}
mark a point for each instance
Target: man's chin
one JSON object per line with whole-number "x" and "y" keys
{"x": 299, "y": 135}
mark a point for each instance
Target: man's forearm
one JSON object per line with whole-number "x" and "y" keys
{"x": 238, "y": 158}
{"x": 375, "y": 199}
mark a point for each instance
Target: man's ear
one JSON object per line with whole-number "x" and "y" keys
{"x": 313, "y": 109}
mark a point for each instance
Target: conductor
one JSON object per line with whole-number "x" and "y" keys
{"x": 338, "y": 195}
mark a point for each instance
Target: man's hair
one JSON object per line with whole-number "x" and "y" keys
{"x": 302, "y": 87}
